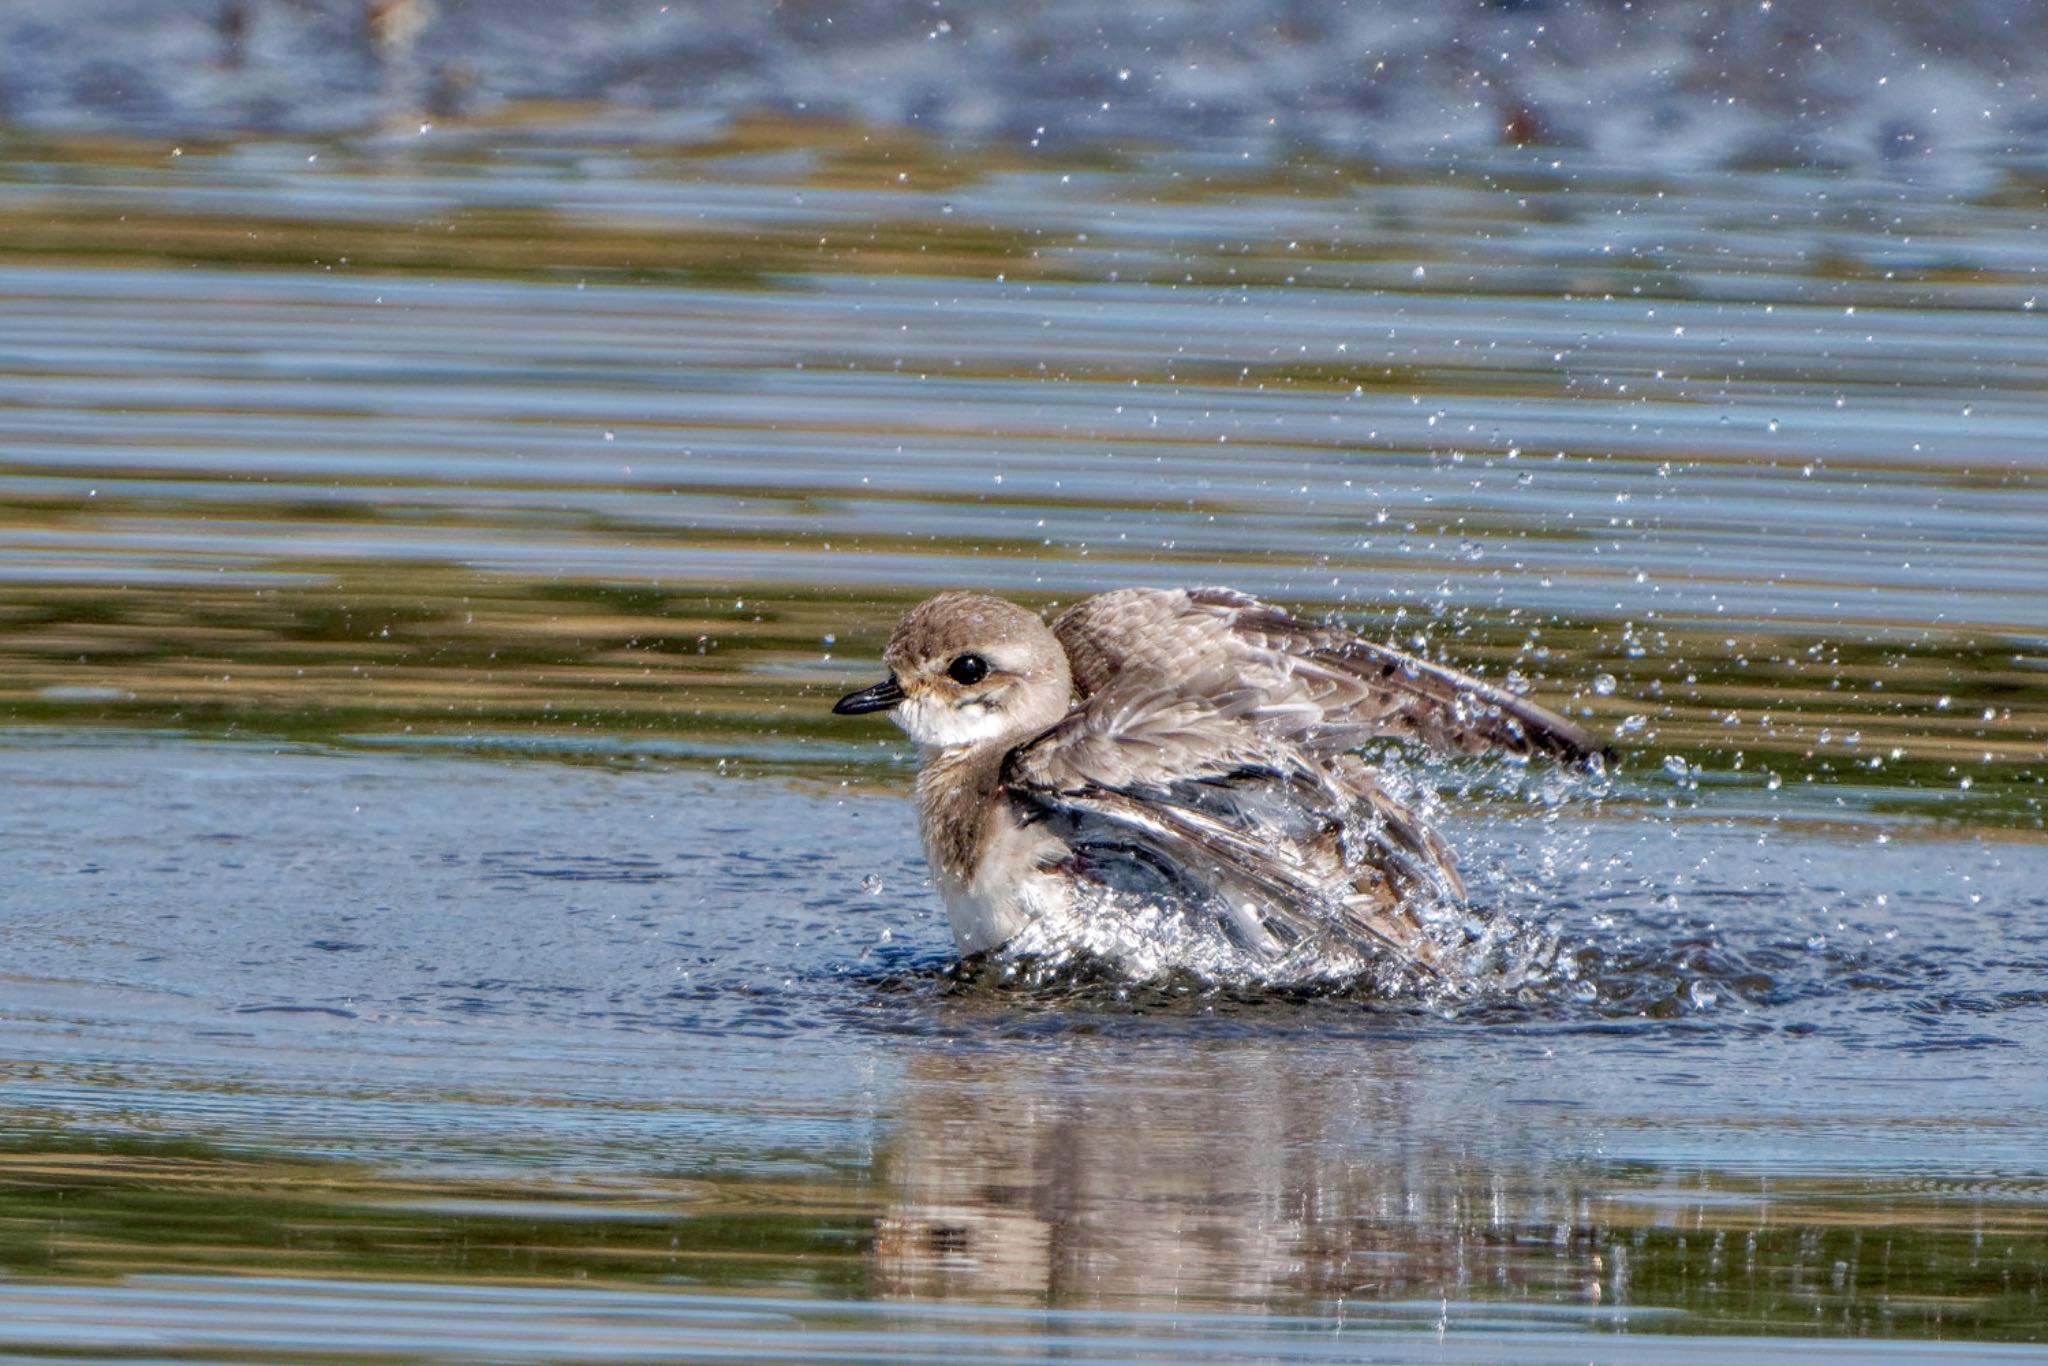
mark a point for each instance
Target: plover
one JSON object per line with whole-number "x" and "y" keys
{"x": 1193, "y": 747}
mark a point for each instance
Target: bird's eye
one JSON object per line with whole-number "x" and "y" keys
{"x": 967, "y": 669}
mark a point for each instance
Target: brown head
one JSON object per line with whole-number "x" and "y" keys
{"x": 967, "y": 668}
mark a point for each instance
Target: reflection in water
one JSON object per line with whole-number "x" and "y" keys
{"x": 671, "y": 1032}
{"x": 1305, "y": 1174}
{"x": 1247, "y": 1173}
{"x": 1281, "y": 1184}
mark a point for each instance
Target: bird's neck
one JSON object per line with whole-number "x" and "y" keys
{"x": 956, "y": 800}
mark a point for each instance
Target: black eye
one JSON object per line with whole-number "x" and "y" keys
{"x": 967, "y": 669}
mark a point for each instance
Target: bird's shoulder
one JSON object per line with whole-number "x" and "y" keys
{"x": 1165, "y": 633}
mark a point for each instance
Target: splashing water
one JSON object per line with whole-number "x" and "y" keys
{"x": 1474, "y": 958}
{"x": 1476, "y": 954}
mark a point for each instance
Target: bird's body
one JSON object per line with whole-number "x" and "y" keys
{"x": 1189, "y": 748}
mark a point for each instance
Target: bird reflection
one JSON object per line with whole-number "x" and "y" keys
{"x": 1107, "y": 1172}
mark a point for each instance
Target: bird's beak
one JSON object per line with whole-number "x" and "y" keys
{"x": 881, "y": 697}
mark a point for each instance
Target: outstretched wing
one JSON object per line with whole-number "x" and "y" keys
{"x": 1344, "y": 690}
{"x": 1191, "y": 791}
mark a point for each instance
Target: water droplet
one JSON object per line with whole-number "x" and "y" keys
{"x": 1604, "y": 684}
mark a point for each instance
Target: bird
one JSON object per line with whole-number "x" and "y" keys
{"x": 1193, "y": 748}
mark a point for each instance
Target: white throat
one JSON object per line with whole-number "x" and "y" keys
{"x": 936, "y": 724}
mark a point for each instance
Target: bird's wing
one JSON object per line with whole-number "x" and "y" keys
{"x": 1339, "y": 690}
{"x": 1187, "y": 788}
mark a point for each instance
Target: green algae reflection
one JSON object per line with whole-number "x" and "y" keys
{"x": 1833, "y": 1258}
{"x": 1940, "y": 726}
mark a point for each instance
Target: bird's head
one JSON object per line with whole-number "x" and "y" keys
{"x": 967, "y": 668}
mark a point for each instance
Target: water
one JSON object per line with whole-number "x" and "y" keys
{"x": 1912, "y": 87}
{"x": 442, "y": 916}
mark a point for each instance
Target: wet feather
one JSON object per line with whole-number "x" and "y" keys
{"x": 1194, "y": 748}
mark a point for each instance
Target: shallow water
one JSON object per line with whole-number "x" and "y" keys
{"x": 443, "y": 917}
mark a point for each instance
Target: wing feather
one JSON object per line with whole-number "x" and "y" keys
{"x": 1345, "y": 690}
{"x": 1196, "y": 778}
{"x": 1210, "y": 758}
{"x": 1268, "y": 901}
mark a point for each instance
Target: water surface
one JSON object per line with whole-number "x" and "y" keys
{"x": 443, "y": 917}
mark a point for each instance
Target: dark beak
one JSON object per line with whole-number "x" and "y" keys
{"x": 881, "y": 697}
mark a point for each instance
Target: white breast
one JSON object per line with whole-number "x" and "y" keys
{"x": 1008, "y": 889}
